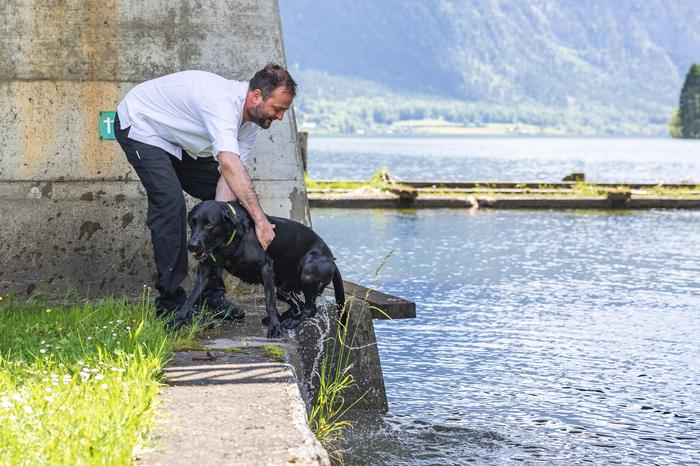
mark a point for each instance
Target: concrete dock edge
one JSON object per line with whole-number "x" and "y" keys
{"x": 234, "y": 399}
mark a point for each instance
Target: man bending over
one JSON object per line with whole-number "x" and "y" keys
{"x": 193, "y": 131}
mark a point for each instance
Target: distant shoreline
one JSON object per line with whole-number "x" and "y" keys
{"x": 442, "y": 128}
{"x": 486, "y": 136}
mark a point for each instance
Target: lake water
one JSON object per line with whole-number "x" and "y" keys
{"x": 558, "y": 337}
{"x": 506, "y": 158}
{"x": 554, "y": 337}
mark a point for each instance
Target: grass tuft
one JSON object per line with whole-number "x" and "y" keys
{"x": 79, "y": 383}
{"x": 327, "y": 418}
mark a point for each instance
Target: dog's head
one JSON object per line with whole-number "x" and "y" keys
{"x": 211, "y": 225}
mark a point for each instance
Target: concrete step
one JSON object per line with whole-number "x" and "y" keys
{"x": 233, "y": 401}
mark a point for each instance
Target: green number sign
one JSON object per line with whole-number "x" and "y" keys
{"x": 107, "y": 125}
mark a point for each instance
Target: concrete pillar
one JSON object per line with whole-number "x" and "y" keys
{"x": 73, "y": 210}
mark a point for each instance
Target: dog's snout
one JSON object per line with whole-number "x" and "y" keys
{"x": 194, "y": 245}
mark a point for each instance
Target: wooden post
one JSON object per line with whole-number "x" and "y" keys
{"x": 303, "y": 144}
{"x": 575, "y": 176}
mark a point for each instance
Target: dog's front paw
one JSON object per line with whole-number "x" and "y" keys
{"x": 174, "y": 324}
{"x": 177, "y": 322}
{"x": 291, "y": 323}
{"x": 274, "y": 331}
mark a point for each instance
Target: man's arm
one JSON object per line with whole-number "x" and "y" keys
{"x": 238, "y": 181}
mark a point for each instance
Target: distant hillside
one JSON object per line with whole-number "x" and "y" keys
{"x": 591, "y": 67}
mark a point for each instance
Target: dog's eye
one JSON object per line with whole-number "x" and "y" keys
{"x": 206, "y": 223}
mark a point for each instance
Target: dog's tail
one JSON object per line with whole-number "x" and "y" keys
{"x": 339, "y": 290}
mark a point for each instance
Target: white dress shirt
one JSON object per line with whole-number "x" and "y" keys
{"x": 198, "y": 111}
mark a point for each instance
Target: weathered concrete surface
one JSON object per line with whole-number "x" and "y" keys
{"x": 70, "y": 216}
{"x": 82, "y": 234}
{"x": 306, "y": 343}
{"x": 358, "y": 350}
{"x": 384, "y": 306}
{"x": 245, "y": 407}
{"x": 240, "y": 408}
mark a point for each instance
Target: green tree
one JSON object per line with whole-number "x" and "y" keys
{"x": 690, "y": 104}
{"x": 675, "y": 126}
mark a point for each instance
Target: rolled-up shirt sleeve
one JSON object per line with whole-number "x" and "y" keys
{"x": 220, "y": 116}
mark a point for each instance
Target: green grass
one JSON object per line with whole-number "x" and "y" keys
{"x": 578, "y": 189}
{"x": 381, "y": 179}
{"x": 79, "y": 383}
{"x": 327, "y": 418}
{"x": 275, "y": 353}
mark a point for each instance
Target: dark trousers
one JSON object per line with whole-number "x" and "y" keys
{"x": 165, "y": 177}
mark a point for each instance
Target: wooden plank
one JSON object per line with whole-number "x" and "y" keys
{"x": 524, "y": 184}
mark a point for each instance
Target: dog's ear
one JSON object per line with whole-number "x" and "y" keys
{"x": 227, "y": 215}
{"x": 192, "y": 213}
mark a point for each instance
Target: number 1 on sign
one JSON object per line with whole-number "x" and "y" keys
{"x": 108, "y": 121}
{"x": 106, "y": 125}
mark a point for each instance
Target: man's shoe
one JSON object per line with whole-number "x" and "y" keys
{"x": 218, "y": 306}
{"x": 165, "y": 307}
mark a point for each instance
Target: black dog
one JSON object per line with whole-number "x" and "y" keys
{"x": 297, "y": 261}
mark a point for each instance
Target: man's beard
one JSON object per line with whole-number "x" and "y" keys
{"x": 257, "y": 116}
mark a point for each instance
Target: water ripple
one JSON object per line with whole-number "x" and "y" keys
{"x": 557, "y": 337}
{"x": 505, "y": 158}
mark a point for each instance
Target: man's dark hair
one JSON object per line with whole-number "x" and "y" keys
{"x": 270, "y": 78}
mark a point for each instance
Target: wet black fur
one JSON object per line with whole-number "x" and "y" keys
{"x": 297, "y": 262}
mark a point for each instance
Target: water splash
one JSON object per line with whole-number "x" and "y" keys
{"x": 321, "y": 322}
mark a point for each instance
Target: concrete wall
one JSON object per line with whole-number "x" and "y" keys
{"x": 356, "y": 348}
{"x": 73, "y": 211}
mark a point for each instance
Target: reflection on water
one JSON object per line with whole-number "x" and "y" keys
{"x": 562, "y": 337}
{"x": 539, "y": 159}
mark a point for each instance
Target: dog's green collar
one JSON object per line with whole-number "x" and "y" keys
{"x": 233, "y": 234}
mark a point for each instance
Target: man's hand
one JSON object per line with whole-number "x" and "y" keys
{"x": 237, "y": 181}
{"x": 264, "y": 232}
